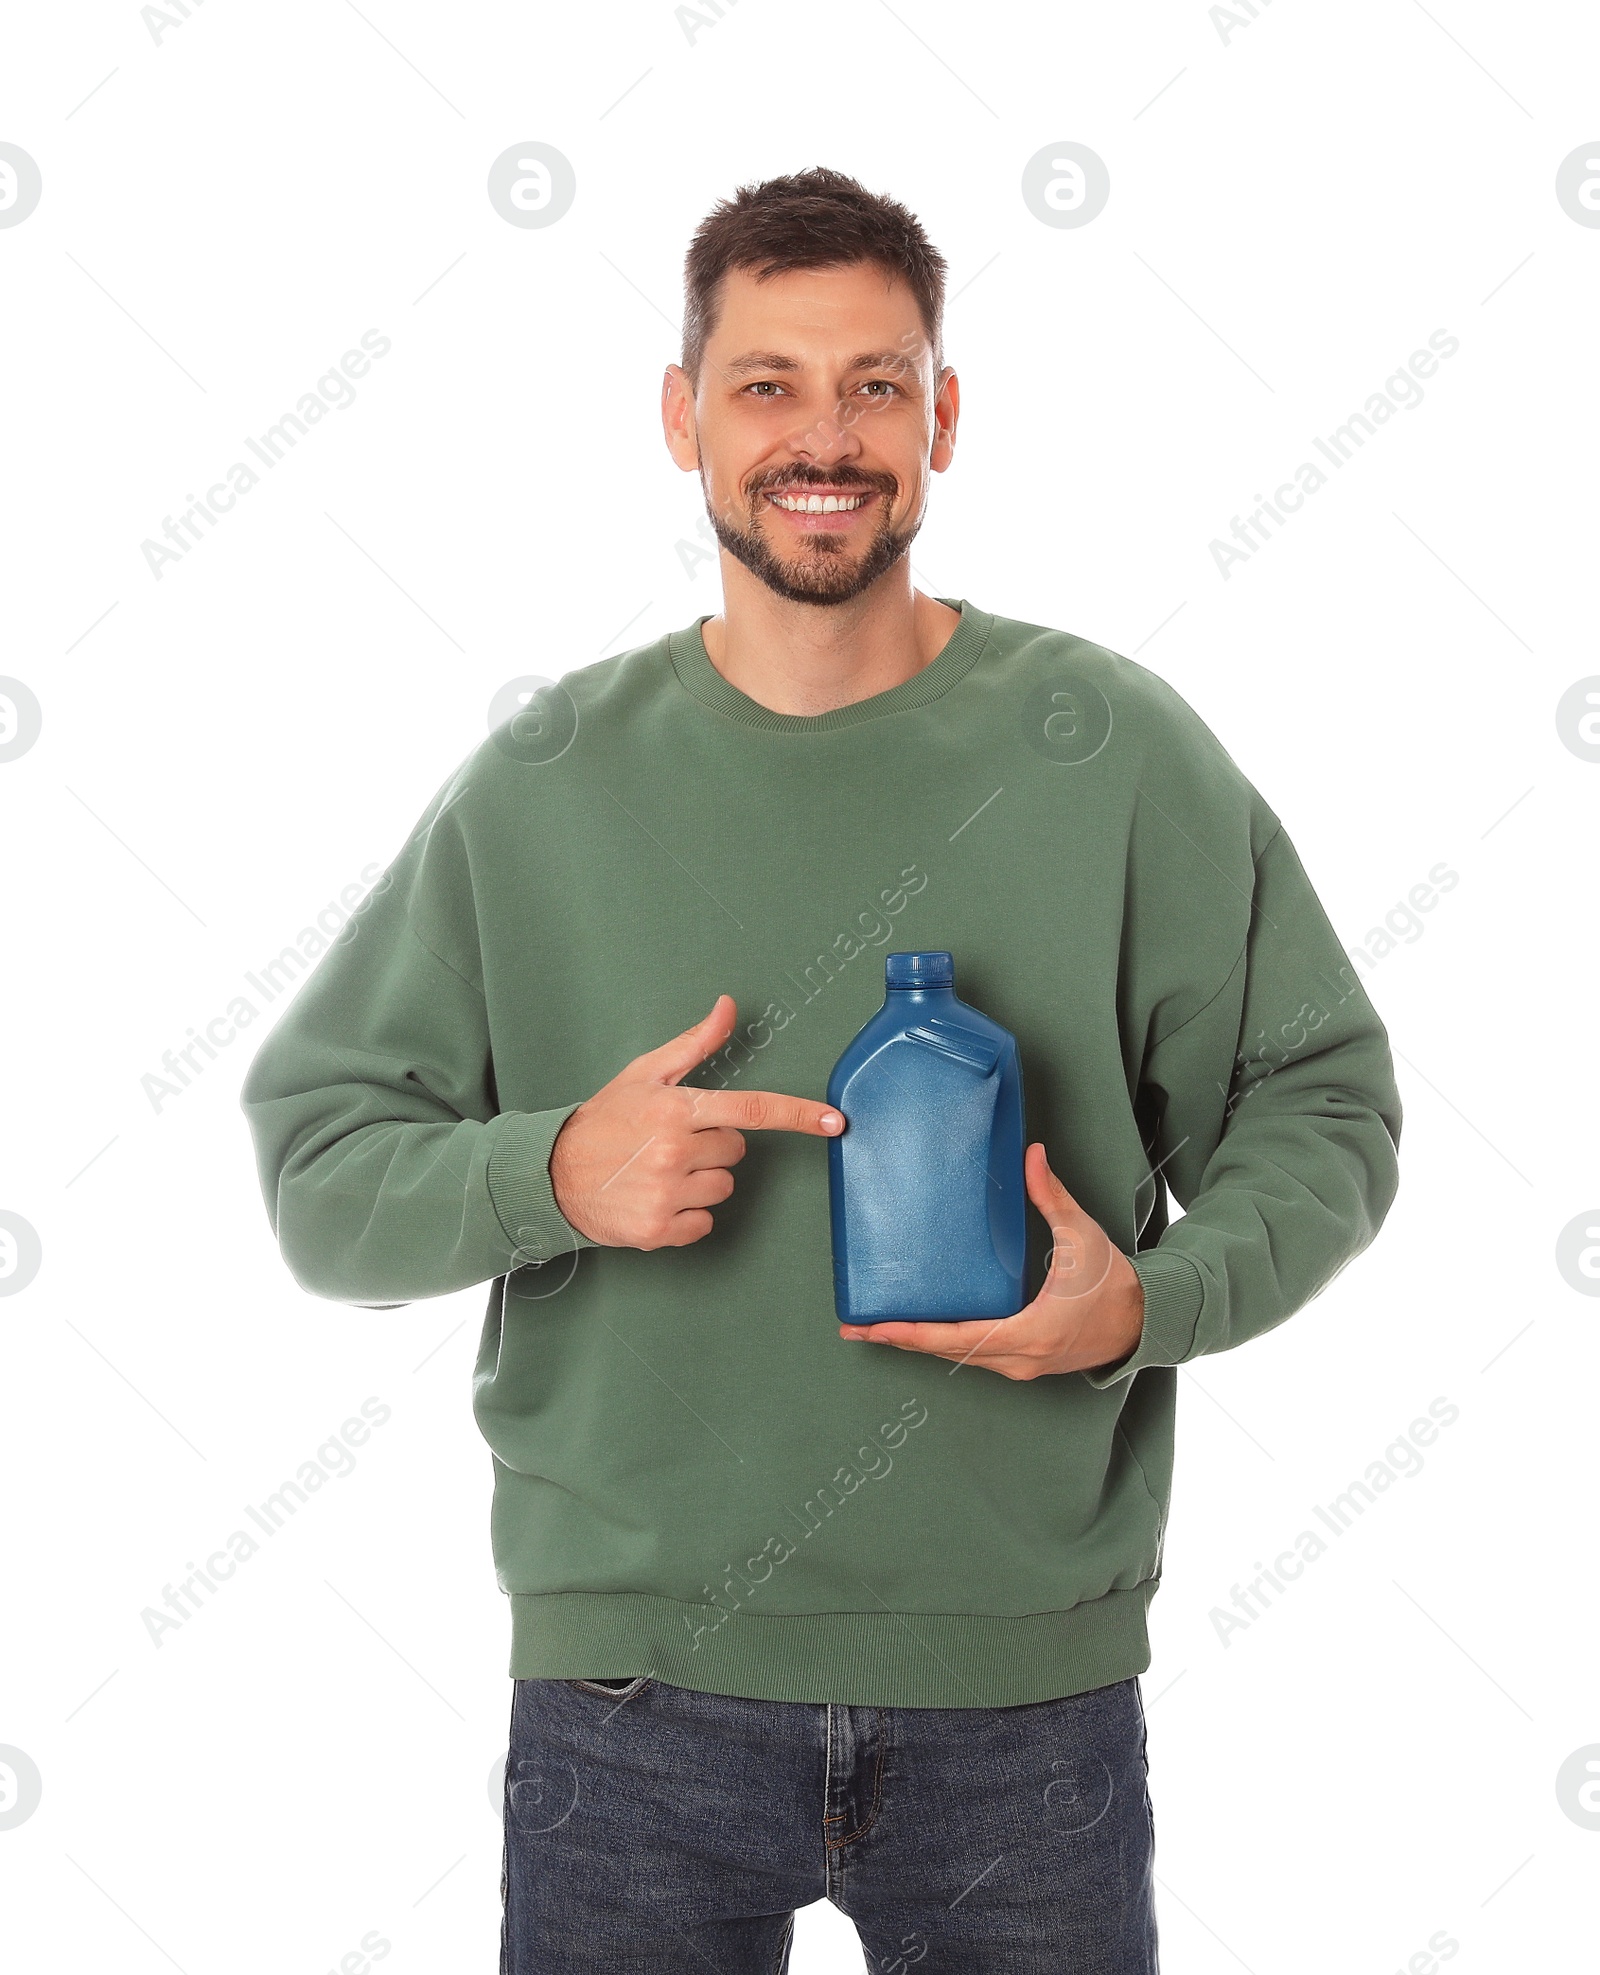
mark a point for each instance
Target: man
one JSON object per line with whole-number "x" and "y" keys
{"x": 793, "y": 1617}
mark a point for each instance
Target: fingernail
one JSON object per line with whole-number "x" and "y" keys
{"x": 831, "y": 1121}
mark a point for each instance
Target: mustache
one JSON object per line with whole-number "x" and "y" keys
{"x": 792, "y": 482}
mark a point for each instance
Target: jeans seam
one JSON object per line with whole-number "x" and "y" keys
{"x": 505, "y": 1841}
{"x": 827, "y": 1787}
{"x": 861, "y": 1830}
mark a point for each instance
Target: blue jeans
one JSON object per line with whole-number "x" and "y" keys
{"x": 656, "y": 1830}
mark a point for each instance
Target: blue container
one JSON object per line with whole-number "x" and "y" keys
{"x": 925, "y": 1183}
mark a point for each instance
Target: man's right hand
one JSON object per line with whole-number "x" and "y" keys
{"x": 639, "y": 1164}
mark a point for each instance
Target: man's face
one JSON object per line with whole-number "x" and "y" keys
{"x": 817, "y": 422}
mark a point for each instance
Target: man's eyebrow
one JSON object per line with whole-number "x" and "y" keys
{"x": 754, "y": 360}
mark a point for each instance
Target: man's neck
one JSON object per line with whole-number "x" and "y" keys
{"x": 811, "y": 658}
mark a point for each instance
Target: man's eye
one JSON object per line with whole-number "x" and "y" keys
{"x": 879, "y": 385}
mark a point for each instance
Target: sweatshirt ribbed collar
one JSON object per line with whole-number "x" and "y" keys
{"x": 692, "y": 663}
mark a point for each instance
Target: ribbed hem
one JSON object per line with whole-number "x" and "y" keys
{"x": 863, "y": 1659}
{"x": 959, "y": 653}
{"x": 520, "y": 1187}
{"x": 1174, "y": 1290}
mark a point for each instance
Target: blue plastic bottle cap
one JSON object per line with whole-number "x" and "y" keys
{"x": 919, "y": 970}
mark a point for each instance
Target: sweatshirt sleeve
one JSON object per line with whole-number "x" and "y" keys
{"x": 388, "y": 1170}
{"x": 1278, "y": 1129}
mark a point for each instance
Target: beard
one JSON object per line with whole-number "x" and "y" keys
{"x": 822, "y": 570}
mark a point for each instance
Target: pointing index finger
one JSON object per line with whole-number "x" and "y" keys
{"x": 766, "y": 1110}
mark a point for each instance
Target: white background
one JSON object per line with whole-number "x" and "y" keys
{"x": 1296, "y": 204}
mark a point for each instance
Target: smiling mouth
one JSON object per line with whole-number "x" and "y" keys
{"x": 813, "y": 509}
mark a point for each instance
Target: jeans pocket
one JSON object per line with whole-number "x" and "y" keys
{"x": 623, "y": 1693}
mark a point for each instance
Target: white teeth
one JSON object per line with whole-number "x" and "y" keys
{"x": 817, "y": 503}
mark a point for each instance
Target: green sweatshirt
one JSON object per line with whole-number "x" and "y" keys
{"x": 695, "y": 1476}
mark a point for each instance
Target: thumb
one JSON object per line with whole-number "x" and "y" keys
{"x": 675, "y": 1059}
{"x": 1080, "y": 1253}
{"x": 1047, "y": 1192}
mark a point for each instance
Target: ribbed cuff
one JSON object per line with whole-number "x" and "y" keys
{"x": 1173, "y": 1293}
{"x": 521, "y": 1189}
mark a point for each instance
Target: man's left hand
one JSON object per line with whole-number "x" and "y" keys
{"x": 1089, "y": 1313}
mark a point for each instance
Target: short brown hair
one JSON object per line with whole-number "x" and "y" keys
{"x": 809, "y": 219}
